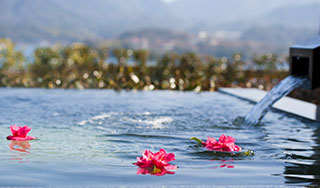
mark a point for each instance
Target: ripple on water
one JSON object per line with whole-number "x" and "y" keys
{"x": 105, "y": 132}
{"x": 96, "y": 119}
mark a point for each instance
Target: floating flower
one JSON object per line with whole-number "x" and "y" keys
{"x": 155, "y": 163}
{"x": 224, "y": 144}
{"x": 20, "y": 133}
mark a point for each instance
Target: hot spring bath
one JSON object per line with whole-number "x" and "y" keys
{"x": 92, "y": 138}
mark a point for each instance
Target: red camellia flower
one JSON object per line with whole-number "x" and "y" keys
{"x": 155, "y": 163}
{"x": 20, "y": 133}
{"x": 225, "y": 143}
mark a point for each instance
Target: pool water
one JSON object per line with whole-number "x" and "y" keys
{"x": 92, "y": 138}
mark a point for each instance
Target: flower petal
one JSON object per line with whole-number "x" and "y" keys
{"x": 24, "y": 131}
{"x": 15, "y": 129}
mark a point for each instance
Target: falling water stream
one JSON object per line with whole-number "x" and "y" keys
{"x": 279, "y": 91}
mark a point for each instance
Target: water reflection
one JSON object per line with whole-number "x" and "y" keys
{"x": 315, "y": 168}
{"x": 23, "y": 149}
{"x": 22, "y": 146}
{"x": 304, "y": 169}
{"x": 154, "y": 171}
{"x": 224, "y": 164}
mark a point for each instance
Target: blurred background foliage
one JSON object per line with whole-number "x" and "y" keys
{"x": 82, "y": 66}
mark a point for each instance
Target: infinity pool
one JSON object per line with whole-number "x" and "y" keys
{"x": 92, "y": 137}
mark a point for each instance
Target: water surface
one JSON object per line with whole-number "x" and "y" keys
{"x": 92, "y": 137}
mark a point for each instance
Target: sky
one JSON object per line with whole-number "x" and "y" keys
{"x": 168, "y": 1}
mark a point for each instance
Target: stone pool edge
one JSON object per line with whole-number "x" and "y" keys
{"x": 286, "y": 104}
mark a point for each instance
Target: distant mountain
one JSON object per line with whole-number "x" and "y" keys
{"x": 37, "y": 19}
{"x": 80, "y": 20}
{"x": 159, "y": 41}
{"x": 277, "y": 34}
{"x": 109, "y": 18}
{"x": 53, "y": 20}
{"x": 296, "y": 16}
{"x": 285, "y": 25}
{"x": 239, "y": 15}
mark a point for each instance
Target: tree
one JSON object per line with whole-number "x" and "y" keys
{"x": 11, "y": 63}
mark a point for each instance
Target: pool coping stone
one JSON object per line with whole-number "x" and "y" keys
{"x": 287, "y": 104}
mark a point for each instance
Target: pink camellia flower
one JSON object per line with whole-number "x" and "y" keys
{"x": 20, "y": 133}
{"x": 225, "y": 143}
{"x": 155, "y": 163}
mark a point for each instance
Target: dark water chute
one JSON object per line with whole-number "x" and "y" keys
{"x": 280, "y": 90}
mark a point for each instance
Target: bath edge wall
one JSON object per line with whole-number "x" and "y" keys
{"x": 287, "y": 104}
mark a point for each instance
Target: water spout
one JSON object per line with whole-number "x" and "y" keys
{"x": 305, "y": 61}
{"x": 304, "y": 71}
{"x": 280, "y": 90}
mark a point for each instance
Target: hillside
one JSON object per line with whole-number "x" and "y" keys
{"x": 283, "y": 25}
{"x": 296, "y": 16}
{"x": 52, "y": 20}
{"x": 27, "y": 21}
{"x": 81, "y": 20}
